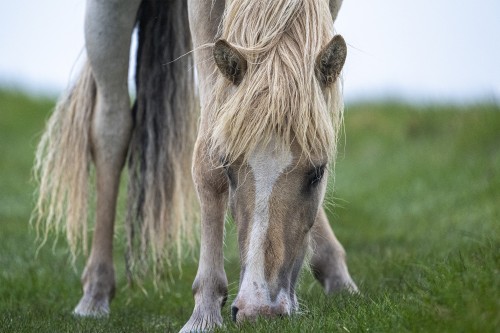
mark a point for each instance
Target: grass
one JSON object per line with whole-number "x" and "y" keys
{"x": 417, "y": 207}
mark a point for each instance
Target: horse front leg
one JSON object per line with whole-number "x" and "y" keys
{"x": 108, "y": 29}
{"x": 328, "y": 262}
{"x": 210, "y": 284}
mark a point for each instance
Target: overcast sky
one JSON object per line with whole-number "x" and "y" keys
{"x": 423, "y": 50}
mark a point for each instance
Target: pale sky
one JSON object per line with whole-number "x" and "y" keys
{"x": 426, "y": 50}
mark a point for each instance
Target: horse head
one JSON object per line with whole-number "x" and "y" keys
{"x": 277, "y": 175}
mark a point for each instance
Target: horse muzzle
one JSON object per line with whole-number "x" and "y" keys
{"x": 248, "y": 307}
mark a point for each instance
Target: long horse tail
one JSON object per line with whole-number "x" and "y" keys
{"x": 161, "y": 197}
{"x": 62, "y": 165}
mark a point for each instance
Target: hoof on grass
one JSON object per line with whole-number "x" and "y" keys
{"x": 91, "y": 307}
{"x": 200, "y": 323}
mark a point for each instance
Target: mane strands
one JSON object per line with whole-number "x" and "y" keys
{"x": 279, "y": 95}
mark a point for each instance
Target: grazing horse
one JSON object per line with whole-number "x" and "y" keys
{"x": 271, "y": 109}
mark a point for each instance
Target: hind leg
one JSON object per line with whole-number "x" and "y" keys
{"x": 328, "y": 261}
{"x": 108, "y": 29}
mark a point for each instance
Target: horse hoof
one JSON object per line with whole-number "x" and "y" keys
{"x": 342, "y": 285}
{"x": 91, "y": 307}
{"x": 202, "y": 323}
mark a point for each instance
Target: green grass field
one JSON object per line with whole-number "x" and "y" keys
{"x": 417, "y": 207}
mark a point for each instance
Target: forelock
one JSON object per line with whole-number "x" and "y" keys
{"x": 279, "y": 96}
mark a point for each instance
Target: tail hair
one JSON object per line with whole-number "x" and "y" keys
{"x": 161, "y": 195}
{"x": 62, "y": 166}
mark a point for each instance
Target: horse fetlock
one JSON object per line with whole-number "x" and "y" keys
{"x": 210, "y": 296}
{"x": 98, "y": 290}
{"x": 215, "y": 288}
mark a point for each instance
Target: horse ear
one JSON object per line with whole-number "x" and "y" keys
{"x": 330, "y": 61}
{"x": 230, "y": 62}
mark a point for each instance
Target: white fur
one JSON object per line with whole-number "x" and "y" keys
{"x": 267, "y": 165}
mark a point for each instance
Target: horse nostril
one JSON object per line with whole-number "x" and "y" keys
{"x": 234, "y": 312}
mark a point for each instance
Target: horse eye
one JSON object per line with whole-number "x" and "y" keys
{"x": 316, "y": 174}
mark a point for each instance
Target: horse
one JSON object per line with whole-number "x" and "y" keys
{"x": 261, "y": 147}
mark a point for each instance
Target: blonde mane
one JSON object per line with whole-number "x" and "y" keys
{"x": 279, "y": 95}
